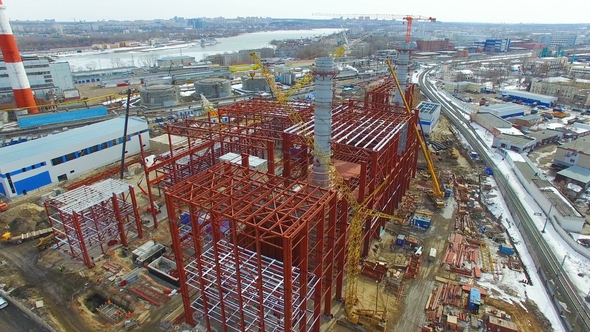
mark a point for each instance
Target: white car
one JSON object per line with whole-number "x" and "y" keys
{"x": 3, "y": 303}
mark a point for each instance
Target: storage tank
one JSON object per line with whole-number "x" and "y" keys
{"x": 159, "y": 95}
{"x": 255, "y": 84}
{"x": 213, "y": 87}
{"x": 288, "y": 78}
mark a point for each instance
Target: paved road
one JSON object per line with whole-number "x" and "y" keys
{"x": 14, "y": 320}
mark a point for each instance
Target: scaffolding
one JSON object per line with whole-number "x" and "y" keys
{"x": 91, "y": 217}
{"x": 242, "y": 243}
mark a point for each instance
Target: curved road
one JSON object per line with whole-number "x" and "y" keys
{"x": 556, "y": 281}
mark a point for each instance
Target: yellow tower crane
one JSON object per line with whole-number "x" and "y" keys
{"x": 368, "y": 317}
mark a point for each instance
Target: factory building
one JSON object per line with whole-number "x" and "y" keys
{"x": 530, "y": 98}
{"x": 226, "y": 230}
{"x": 60, "y": 157}
{"x": 495, "y": 45}
{"x": 505, "y": 111}
{"x": 518, "y": 143}
{"x": 46, "y": 79}
{"x": 554, "y": 41}
{"x": 429, "y": 114}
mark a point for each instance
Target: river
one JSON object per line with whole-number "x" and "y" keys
{"x": 80, "y": 62}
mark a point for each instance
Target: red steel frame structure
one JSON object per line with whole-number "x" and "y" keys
{"x": 89, "y": 217}
{"x": 381, "y": 142}
{"x": 378, "y": 140}
{"x": 252, "y": 254}
{"x": 256, "y": 127}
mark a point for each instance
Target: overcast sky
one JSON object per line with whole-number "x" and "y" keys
{"x": 496, "y": 11}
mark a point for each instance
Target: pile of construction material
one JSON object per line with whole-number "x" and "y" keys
{"x": 462, "y": 257}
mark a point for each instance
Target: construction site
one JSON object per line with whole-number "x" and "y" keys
{"x": 274, "y": 215}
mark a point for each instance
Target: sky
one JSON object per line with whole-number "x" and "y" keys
{"x": 497, "y": 11}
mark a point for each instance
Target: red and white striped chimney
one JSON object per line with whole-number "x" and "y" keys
{"x": 23, "y": 95}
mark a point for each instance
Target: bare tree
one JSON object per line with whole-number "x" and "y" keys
{"x": 148, "y": 60}
{"x": 91, "y": 65}
{"x": 117, "y": 63}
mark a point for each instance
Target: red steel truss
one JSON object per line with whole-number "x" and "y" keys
{"x": 252, "y": 126}
{"x": 92, "y": 217}
{"x": 380, "y": 143}
{"x": 380, "y": 96}
{"x": 254, "y": 252}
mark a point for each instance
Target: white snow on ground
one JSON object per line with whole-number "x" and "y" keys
{"x": 575, "y": 265}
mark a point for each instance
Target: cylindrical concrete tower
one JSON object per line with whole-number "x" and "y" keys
{"x": 403, "y": 60}
{"x": 23, "y": 95}
{"x": 324, "y": 76}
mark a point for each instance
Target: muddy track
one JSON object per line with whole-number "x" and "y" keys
{"x": 51, "y": 285}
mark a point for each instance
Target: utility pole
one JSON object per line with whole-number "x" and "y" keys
{"x": 125, "y": 135}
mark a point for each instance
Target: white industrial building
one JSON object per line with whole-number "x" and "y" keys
{"x": 46, "y": 79}
{"x": 505, "y": 110}
{"x": 429, "y": 114}
{"x": 33, "y": 164}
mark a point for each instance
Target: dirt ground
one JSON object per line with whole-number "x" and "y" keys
{"x": 527, "y": 316}
{"x": 92, "y": 90}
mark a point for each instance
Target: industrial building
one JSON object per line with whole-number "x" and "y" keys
{"x": 518, "y": 143}
{"x": 89, "y": 219}
{"x": 66, "y": 155}
{"x": 574, "y": 153}
{"x": 429, "y": 114}
{"x": 494, "y": 45}
{"x": 245, "y": 203}
{"x": 46, "y": 79}
{"x": 530, "y": 98}
{"x": 505, "y": 111}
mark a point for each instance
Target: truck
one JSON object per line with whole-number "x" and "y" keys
{"x": 432, "y": 255}
{"x": 8, "y": 237}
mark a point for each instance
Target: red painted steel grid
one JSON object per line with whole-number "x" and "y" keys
{"x": 290, "y": 223}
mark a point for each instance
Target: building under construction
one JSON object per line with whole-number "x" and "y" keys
{"x": 266, "y": 250}
{"x": 89, "y": 219}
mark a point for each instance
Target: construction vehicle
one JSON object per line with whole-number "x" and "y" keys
{"x": 7, "y": 237}
{"x": 3, "y": 206}
{"x": 435, "y": 194}
{"x": 45, "y": 242}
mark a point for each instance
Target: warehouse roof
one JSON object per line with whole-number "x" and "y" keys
{"x": 581, "y": 144}
{"x": 529, "y": 95}
{"x": 543, "y": 134}
{"x": 427, "y": 107}
{"x": 518, "y": 140}
{"x": 576, "y": 173}
{"x": 530, "y": 117}
{"x": 57, "y": 141}
{"x": 496, "y": 121}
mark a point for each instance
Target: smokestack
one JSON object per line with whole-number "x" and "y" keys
{"x": 324, "y": 76}
{"x": 403, "y": 60}
{"x": 23, "y": 95}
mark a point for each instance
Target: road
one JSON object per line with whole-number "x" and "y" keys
{"x": 14, "y": 320}
{"x": 556, "y": 281}
{"x": 52, "y": 285}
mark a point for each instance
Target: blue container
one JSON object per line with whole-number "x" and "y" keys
{"x": 401, "y": 240}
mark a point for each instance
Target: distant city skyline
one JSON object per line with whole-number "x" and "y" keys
{"x": 499, "y": 11}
